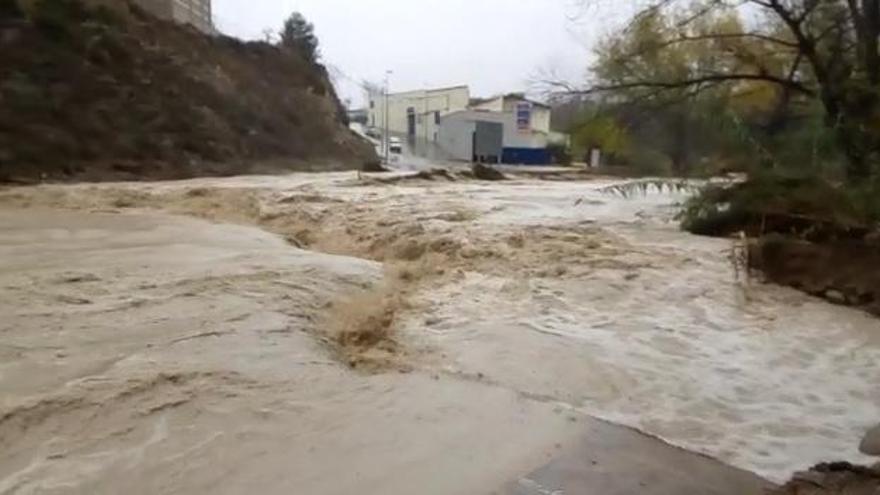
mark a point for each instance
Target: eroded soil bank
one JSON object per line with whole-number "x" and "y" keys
{"x": 804, "y": 232}
{"x": 845, "y": 272}
{"x": 103, "y": 91}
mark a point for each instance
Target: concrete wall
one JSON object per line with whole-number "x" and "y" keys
{"x": 493, "y": 105}
{"x": 516, "y": 138}
{"x": 541, "y": 119}
{"x": 456, "y": 132}
{"x": 489, "y": 141}
{"x": 428, "y": 106}
{"x": 456, "y": 135}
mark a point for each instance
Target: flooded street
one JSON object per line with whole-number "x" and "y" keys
{"x": 173, "y": 338}
{"x": 157, "y": 354}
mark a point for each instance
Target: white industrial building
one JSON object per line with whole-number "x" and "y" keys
{"x": 474, "y": 135}
{"x": 416, "y": 114}
{"x": 506, "y": 129}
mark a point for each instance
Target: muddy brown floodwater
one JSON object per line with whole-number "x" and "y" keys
{"x": 179, "y": 338}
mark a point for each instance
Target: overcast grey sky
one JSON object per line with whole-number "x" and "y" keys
{"x": 493, "y": 46}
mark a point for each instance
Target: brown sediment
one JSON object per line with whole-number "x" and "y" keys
{"x": 416, "y": 251}
{"x": 836, "y": 478}
{"x": 845, "y": 272}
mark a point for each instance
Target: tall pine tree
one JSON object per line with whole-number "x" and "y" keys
{"x": 299, "y": 34}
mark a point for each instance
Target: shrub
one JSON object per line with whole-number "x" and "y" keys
{"x": 808, "y": 206}
{"x": 645, "y": 161}
{"x": 58, "y": 18}
{"x": 9, "y": 9}
{"x": 560, "y": 153}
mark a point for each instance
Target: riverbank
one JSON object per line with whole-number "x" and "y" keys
{"x": 804, "y": 233}
{"x": 844, "y": 272}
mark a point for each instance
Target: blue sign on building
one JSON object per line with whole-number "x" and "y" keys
{"x": 524, "y": 116}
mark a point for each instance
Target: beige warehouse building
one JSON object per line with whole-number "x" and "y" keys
{"x": 416, "y": 114}
{"x": 193, "y": 12}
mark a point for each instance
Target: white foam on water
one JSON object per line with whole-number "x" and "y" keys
{"x": 762, "y": 377}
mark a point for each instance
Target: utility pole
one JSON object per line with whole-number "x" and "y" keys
{"x": 427, "y": 120}
{"x": 387, "y": 138}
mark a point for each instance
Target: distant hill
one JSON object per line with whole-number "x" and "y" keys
{"x": 108, "y": 92}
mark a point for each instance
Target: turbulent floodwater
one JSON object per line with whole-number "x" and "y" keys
{"x": 139, "y": 339}
{"x": 150, "y": 354}
{"x": 662, "y": 336}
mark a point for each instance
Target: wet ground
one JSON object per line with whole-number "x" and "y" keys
{"x": 150, "y": 353}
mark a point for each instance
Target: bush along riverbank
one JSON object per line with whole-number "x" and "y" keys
{"x": 804, "y": 232}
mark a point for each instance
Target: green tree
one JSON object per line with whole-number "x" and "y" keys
{"x": 298, "y": 34}
{"x": 671, "y": 128}
{"x": 826, "y": 50}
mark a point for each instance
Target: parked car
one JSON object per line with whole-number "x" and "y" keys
{"x": 395, "y": 146}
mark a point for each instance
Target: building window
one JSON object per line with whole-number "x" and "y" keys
{"x": 372, "y": 104}
{"x": 437, "y": 118}
{"x": 411, "y": 121}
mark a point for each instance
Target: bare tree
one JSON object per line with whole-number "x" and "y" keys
{"x": 832, "y": 51}
{"x": 269, "y": 36}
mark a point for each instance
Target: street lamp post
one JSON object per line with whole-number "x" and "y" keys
{"x": 387, "y": 140}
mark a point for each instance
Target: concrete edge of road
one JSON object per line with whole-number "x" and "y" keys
{"x": 613, "y": 459}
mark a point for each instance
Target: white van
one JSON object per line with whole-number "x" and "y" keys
{"x": 395, "y": 146}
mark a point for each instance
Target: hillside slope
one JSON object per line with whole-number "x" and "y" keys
{"x": 100, "y": 93}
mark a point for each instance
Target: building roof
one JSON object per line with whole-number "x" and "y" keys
{"x": 522, "y": 97}
{"x": 479, "y": 101}
{"x": 508, "y": 96}
{"x": 431, "y": 90}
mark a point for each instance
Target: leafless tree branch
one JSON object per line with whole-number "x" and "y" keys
{"x": 724, "y": 36}
{"x": 696, "y": 81}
